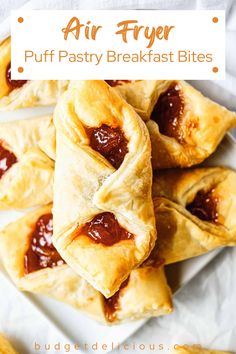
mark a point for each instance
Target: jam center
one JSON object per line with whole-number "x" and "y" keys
{"x": 7, "y": 159}
{"x": 105, "y": 229}
{"x": 168, "y": 111}
{"x": 117, "y": 82}
{"x": 111, "y": 305}
{"x": 41, "y": 253}
{"x": 13, "y": 84}
{"x": 110, "y": 143}
{"x": 204, "y": 206}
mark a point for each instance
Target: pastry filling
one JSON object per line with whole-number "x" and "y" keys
{"x": 13, "y": 84}
{"x": 110, "y": 143}
{"x": 41, "y": 253}
{"x": 111, "y": 305}
{"x": 117, "y": 82}
{"x": 204, "y": 206}
{"x": 105, "y": 229}
{"x": 168, "y": 111}
{"x": 7, "y": 159}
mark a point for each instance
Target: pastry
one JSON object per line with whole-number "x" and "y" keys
{"x": 104, "y": 224}
{"x": 26, "y": 172}
{"x": 140, "y": 94}
{"x": 196, "y": 350}
{"x": 195, "y": 211}
{"x": 22, "y": 93}
{"x": 5, "y": 346}
{"x": 34, "y": 265}
{"x": 185, "y": 127}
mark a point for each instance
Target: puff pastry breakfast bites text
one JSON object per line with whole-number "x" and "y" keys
{"x": 196, "y": 350}
{"x": 5, "y": 346}
{"x": 26, "y": 173}
{"x": 103, "y": 213}
{"x": 34, "y": 265}
{"x": 22, "y": 93}
{"x": 195, "y": 211}
{"x": 185, "y": 127}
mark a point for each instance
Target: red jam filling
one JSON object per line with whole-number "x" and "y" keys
{"x": 110, "y": 143}
{"x": 117, "y": 82}
{"x": 13, "y": 84}
{"x": 168, "y": 111}
{"x": 204, "y": 206}
{"x": 111, "y": 305}
{"x": 41, "y": 253}
{"x": 7, "y": 159}
{"x": 105, "y": 229}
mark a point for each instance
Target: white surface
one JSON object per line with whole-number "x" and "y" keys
{"x": 205, "y": 311}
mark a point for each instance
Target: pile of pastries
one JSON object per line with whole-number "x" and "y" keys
{"x": 116, "y": 192}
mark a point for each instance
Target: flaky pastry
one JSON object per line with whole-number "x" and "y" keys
{"x": 26, "y": 172}
{"x": 141, "y": 94}
{"x": 34, "y": 265}
{"x": 196, "y": 350}
{"x": 195, "y": 211}
{"x": 104, "y": 224}
{"x": 5, "y": 346}
{"x": 22, "y": 93}
{"x": 185, "y": 127}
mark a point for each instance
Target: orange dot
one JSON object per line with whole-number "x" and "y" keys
{"x": 215, "y": 69}
{"x": 20, "y": 69}
{"x": 215, "y": 19}
{"x": 20, "y": 19}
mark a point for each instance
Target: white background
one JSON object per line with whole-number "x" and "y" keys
{"x": 42, "y": 30}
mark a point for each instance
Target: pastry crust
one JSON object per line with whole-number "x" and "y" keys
{"x": 146, "y": 294}
{"x": 32, "y": 93}
{"x": 196, "y": 350}
{"x": 5, "y": 346}
{"x": 181, "y": 234}
{"x": 202, "y": 126}
{"x": 141, "y": 95}
{"x": 86, "y": 184}
{"x": 29, "y": 181}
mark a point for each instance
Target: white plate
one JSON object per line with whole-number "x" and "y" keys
{"x": 76, "y": 327}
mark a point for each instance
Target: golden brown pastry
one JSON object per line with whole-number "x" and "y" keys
{"x": 26, "y": 172}
{"x": 5, "y": 346}
{"x": 34, "y": 265}
{"x": 197, "y": 350}
{"x": 195, "y": 211}
{"x": 141, "y": 94}
{"x": 22, "y": 93}
{"x": 185, "y": 127}
{"x": 103, "y": 211}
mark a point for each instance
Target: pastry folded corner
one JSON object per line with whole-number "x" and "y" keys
{"x": 144, "y": 294}
{"x": 185, "y": 127}
{"x": 186, "y": 228}
{"x": 87, "y": 185}
{"x": 140, "y": 94}
{"x": 5, "y": 346}
{"x": 26, "y": 171}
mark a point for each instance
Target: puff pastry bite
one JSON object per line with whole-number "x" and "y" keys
{"x": 34, "y": 265}
{"x": 26, "y": 172}
{"x": 195, "y": 211}
{"x": 5, "y": 346}
{"x": 104, "y": 223}
{"x": 196, "y": 350}
{"x": 21, "y": 93}
{"x": 185, "y": 127}
{"x": 140, "y": 94}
